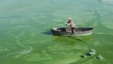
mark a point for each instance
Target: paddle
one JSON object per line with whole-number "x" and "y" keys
{"x": 78, "y": 38}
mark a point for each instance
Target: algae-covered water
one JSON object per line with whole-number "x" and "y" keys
{"x": 25, "y": 36}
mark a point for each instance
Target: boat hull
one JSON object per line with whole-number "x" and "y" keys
{"x": 68, "y": 32}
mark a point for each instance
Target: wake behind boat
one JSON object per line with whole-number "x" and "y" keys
{"x": 68, "y": 32}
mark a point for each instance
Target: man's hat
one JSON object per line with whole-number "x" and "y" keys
{"x": 69, "y": 18}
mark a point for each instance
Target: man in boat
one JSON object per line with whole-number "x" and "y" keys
{"x": 71, "y": 24}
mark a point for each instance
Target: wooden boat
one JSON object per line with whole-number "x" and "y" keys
{"x": 68, "y": 32}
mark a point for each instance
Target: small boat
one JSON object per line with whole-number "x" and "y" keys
{"x": 68, "y": 32}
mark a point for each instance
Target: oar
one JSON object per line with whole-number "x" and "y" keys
{"x": 76, "y": 36}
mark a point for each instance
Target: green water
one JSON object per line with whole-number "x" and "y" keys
{"x": 25, "y": 36}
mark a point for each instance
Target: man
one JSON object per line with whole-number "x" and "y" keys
{"x": 71, "y": 24}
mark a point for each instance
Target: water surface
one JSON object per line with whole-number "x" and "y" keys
{"x": 26, "y": 39}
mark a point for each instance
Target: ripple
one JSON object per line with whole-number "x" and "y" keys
{"x": 108, "y": 24}
{"x": 25, "y": 50}
{"x": 37, "y": 57}
{"x": 3, "y": 49}
{"x": 18, "y": 39}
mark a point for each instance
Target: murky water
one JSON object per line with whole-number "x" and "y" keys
{"x": 26, "y": 39}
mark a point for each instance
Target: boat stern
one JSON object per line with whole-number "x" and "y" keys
{"x": 55, "y": 31}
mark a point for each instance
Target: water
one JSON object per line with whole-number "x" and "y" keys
{"x": 26, "y": 39}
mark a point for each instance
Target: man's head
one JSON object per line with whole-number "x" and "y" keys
{"x": 69, "y": 19}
